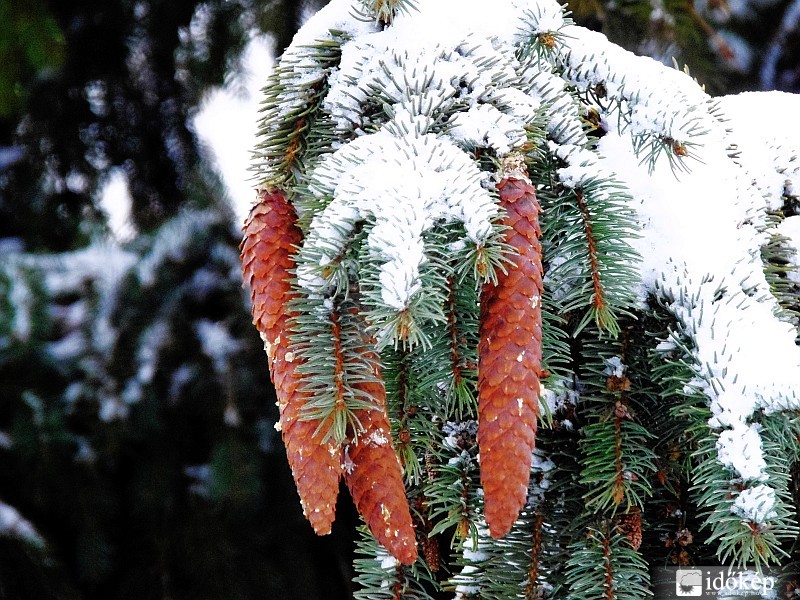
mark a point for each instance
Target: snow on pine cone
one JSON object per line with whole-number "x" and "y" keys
{"x": 270, "y": 237}
{"x": 509, "y": 361}
{"x": 375, "y": 477}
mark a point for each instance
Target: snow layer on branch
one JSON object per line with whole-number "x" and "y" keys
{"x": 583, "y": 165}
{"x": 299, "y": 65}
{"x": 435, "y": 92}
{"x": 337, "y": 15}
{"x": 484, "y": 125}
{"x": 564, "y": 124}
{"x": 431, "y": 78}
{"x": 544, "y": 17}
{"x": 404, "y": 184}
{"x": 767, "y": 147}
{"x": 702, "y": 235}
{"x": 503, "y": 20}
{"x": 740, "y": 449}
{"x": 756, "y": 504}
{"x": 660, "y": 101}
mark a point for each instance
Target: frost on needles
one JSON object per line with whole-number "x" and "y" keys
{"x": 640, "y": 308}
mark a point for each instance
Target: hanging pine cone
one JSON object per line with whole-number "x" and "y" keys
{"x": 630, "y": 525}
{"x": 510, "y": 359}
{"x": 269, "y": 241}
{"x": 433, "y": 558}
{"x": 374, "y": 475}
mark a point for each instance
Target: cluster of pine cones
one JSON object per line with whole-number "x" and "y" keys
{"x": 510, "y": 357}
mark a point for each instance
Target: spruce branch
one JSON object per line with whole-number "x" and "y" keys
{"x": 737, "y": 539}
{"x": 333, "y": 364}
{"x": 591, "y": 63}
{"x": 291, "y": 107}
{"x": 561, "y": 107}
{"x": 595, "y": 269}
{"x": 417, "y": 269}
{"x": 603, "y": 565}
{"x": 461, "y": 328}
{"x": 518, "y": 565}
{"x": 776, "y": 255}
{"x": 543, "y": 27}
{"x": 453, "y": 492}
{"x": 599, "y": 307}
{"x": 618, "y": 461}
{"x": 412, "y": 402}
{"x": 408, "y": 327}
{"x": 384, "y": 10}
{"x": 673, "y": 525}
{"x": 381, "y": 577}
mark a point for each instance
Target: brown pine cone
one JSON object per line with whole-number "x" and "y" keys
{"x": 510, "y": 360}
{"x": 630, "y": 525}
{"x": 375, "y": 479}
{"x": 269, "y": 241}
{"x": 374, "y": 475}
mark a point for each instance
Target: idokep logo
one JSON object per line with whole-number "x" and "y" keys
{"x": 672, "y": 583}
{"x": 689, "y": 582}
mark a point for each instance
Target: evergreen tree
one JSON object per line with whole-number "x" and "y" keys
{"x": 533, "y": 292}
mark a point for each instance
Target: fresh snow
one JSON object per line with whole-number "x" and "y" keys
{"x": 474, "y": 552}
{"x": 755, "y": 504}
{"x": 701, "y": 238}
{"x": 429, "y": 181}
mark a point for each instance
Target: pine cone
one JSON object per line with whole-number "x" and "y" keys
{"x": 430, "y": 547}
{"x": 510, "y": 360}
{"x": 269, "y": 241}
{"x": 375, "y": 478}
{"x": 630, "y": 525}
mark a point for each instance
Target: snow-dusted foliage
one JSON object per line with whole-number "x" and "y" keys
{"x": 107, "y": 319}
{"x": 132, "y": 397}
{"x": 670, "y": 247}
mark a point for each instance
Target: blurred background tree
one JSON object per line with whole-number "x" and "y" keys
{"x": 138, "y": 457}
{"x": 728, "y": 45}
